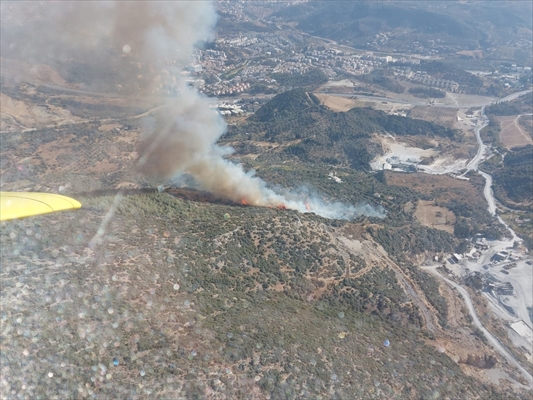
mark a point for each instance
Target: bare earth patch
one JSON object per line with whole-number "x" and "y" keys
{"x": 336, "y": 103}
{"x": 512, "y": 134}
{"x": 430, "y": 215}
{"x": 108, "y": 127}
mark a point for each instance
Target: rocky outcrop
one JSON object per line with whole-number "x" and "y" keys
{"x": 482, "y": 362}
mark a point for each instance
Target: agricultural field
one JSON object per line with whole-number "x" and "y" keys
{"x": 439, "y": 115}
{"x": 503, "y": 53}
{"x": 512, "y": 133}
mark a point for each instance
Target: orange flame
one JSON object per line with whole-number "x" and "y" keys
{"x": 244, "y": 202}
{"x": 282, "y": 207}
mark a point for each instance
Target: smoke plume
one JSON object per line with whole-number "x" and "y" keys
{"x": 157, "y": 34}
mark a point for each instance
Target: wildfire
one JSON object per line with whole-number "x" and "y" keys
{"x": 244, "y": 202}
{"x": 307, "y": 206}
{"x": 282, "y": 207}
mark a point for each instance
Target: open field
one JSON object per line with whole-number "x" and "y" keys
{"x": 342, "y": 103}
{"x": 451, "y": 99}
{"x": 512, "y": 134}
{"x": 477, "y": 54}
{"x": 438, "y": 115}
{"x": 442, "y": 187}
{"x": 336, "y": 103}
{"x": 433, "y": 216}
{"x": 36, "y": 73}
{"x": 16, "y": 115}
{"x": 526, "y": 121}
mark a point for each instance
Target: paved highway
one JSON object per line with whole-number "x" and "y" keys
{"x": 473, "y": 164}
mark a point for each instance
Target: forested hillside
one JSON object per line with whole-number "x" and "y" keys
{"x": 521, "y": 105}
{"x": 317, "y": 134}
{"x": 515, "y": 178}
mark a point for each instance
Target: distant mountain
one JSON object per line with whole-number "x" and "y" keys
{"x": 396, "y": 25}
{"x": 359, "y": 21}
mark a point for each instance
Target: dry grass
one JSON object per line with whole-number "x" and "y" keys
{"x": 36, "y": 73}
{"x": 430, "y": 215}
{"x": 441, "y": 187}
{"x": 108, "y": 127}
{"x": 476, "y": 54}
{"x": 527, "y": 123}
{"x": 336, "y": 103}
{"x": 512, "y": 134}
{"x": 439, "y": 115}
{"x": 17, "y": 114}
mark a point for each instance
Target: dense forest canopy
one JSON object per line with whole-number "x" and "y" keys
{"x": 516, "y": 176}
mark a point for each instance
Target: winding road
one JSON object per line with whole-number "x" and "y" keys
{"x": 473, "y": 165}
{"x": 493, "y": 340}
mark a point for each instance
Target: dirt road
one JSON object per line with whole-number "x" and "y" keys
{"x": 493, "y": 340}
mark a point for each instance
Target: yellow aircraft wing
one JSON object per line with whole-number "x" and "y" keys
{"x": 15, "y": 205}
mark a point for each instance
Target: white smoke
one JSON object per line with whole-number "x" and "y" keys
{"x": 184, "y": 139}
